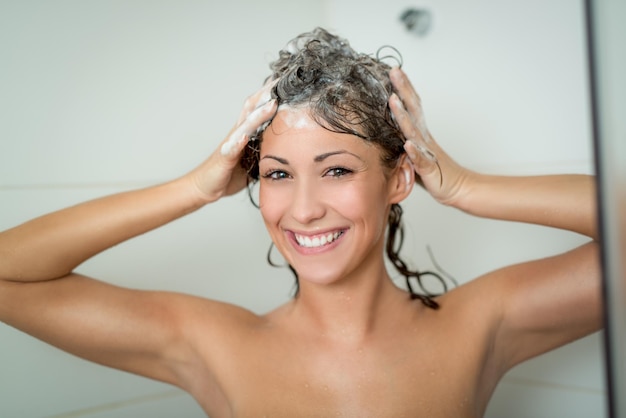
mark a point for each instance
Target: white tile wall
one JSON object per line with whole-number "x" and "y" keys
{"x": 159, "y": 405}
{"x": 100, "y": 96}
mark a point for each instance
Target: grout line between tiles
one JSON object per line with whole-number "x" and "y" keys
{"x": 85, "y": 412}
{"x": 552, "y": 385}
{"x": 57, "y": 186}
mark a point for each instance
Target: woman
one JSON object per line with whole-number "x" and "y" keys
{"x": 336, "y": 140}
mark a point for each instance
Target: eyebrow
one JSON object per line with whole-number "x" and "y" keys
{"x": 273, "y": 157}
{"x": 317, "y": 159}
{"x": 322, "y": 157}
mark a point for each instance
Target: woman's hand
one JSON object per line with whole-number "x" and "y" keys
{"x": 559, "y": 201}
{"x": 221, "y": 175}
{"x": 439, "y": 174}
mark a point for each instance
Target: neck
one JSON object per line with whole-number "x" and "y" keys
{"x": 349, "y": 310}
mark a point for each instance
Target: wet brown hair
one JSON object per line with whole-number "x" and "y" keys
{"x": 346, "y": 92}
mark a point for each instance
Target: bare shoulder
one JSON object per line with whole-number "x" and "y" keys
{"x": 535, "y": 306}
{"x": 196, "y": 310}
{"x": 488, "y": 325}
{"x": 211, "y": 326}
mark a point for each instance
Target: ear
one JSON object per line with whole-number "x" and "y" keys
{"x": 401, "y": 181}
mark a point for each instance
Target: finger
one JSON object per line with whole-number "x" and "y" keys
{"x": 256, "y": 100}
{"x": 412, "y": 131}
{"x": 421, "y": 158}
{"x": 236, "y": 141}
{"x": 405, "y": 89}
{"x": 410, "y": 100}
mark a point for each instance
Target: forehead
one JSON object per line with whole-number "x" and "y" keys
{"x": 294, "y": 128}
{"x": 288, "y": 117}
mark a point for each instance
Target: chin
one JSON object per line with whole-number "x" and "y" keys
{"x": 318, "y": 276}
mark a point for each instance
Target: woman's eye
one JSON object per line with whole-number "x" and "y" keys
{"x": 276, "y": 175}
{"x": 338, "y": 172}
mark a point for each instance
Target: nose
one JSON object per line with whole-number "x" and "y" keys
{"x": 308, "y": 202}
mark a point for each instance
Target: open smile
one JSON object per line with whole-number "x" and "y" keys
{"x": 310, "y": 243}
{"x": 319, "y": 240}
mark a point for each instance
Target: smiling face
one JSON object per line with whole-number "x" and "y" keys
{"x": 324, "y": 197}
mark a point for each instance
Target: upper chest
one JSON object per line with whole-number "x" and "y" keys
{"x": 427, "y": 370}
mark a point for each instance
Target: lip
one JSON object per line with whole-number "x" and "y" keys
{"x": 291, "y": 236}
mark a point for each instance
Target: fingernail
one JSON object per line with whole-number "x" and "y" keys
{"x": 411, "y": 150}
{"x": 394, "y": 97}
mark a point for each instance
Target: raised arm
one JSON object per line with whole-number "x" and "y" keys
{"x": 560, "y": 201}
{"x": 133, "y": 330}
{"x": 51, "y": 246}
{"x": 534, "y": 306}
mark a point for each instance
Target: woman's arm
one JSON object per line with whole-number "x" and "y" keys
{"x": 52, "y": 246}
{"x": 143, "y": 332}
{"x": 560, "y": 201}
{"x": 534, "y": 306}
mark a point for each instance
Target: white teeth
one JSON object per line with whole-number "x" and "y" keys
{"x": 317, "y": 241}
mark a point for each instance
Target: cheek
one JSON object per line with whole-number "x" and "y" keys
{"x": 272, "y": 202}
{"x": 360, "y": 201}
